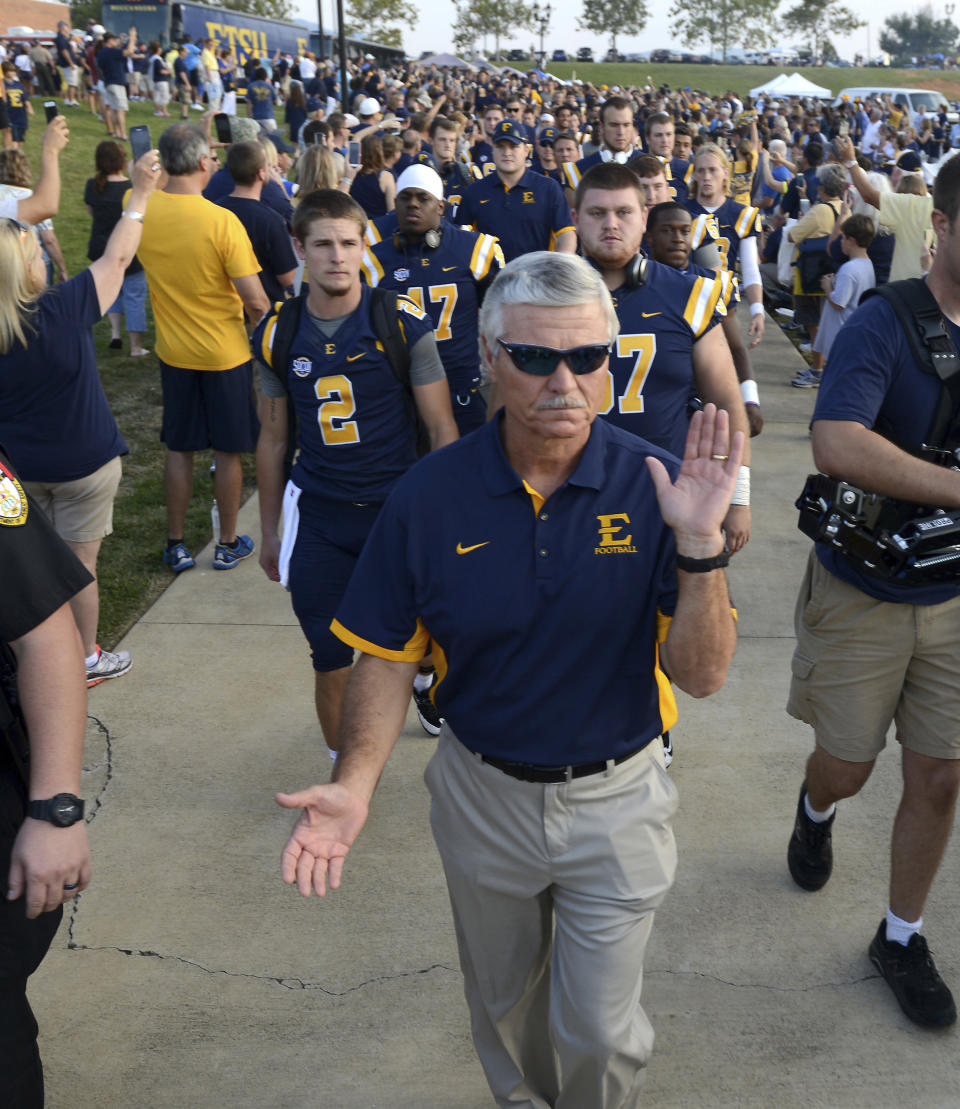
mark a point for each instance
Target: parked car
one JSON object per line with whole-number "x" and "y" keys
{"x": 559, "y": 56}
{"x": 643, "y": 56}
{"x": 658, "y": 57}
{"x": 613, "y": 56}
{"x": 516, "y": 55}
{"x": 584, "y": 54}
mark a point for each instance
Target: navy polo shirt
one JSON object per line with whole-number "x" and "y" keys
{"x": 528, "y": 217}
{"x": 545, "y": 616}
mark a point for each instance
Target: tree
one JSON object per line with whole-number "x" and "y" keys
{"x": 82, "y": 10}
{"x": 499, "y": 18}
{"x": 614, "y": 17}
{"x": 724, "y": 23}
{"x": 919, "y": 35}
{"x": 379, "y": 20}
{"x": 816, "y": 20}
{"x": 465, "y": 29}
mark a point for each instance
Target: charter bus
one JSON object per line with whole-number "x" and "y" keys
{"x": 244, "y": 34}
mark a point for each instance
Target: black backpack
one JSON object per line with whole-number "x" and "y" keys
{"x": 386, "y": 325}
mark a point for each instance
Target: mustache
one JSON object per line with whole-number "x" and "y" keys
{"x": 559, "y": 402}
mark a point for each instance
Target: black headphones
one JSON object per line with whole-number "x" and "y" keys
{"x": 430, "y": 239}
{"x": 634, "y": 272}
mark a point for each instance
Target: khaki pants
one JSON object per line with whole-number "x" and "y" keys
{"x": 553, "y": 890}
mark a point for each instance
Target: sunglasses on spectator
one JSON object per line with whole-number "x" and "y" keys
{"x": 543, "y": 361}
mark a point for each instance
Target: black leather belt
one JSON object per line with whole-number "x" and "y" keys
{"x": 527, "y": 772}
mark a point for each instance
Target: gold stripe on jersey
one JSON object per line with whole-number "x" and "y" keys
{"x": 555, "y": 235}
{"x": 405, "y": 304}
{"x": 486, "y": 248}
{"x": 668, "y": 703}
{"x": 372, "y": 235}
{"x": 412, "y": 651}
{"x": 266, "y": 339}
{"x": 747, "y": 221}
{"x": 370, "y": 268}
{"x": 701, "y": 305}
{"x": 571, "y": 174}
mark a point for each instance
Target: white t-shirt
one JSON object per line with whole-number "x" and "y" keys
{"x": 308, "y": 69}
{"x": 853, "y": 279}
{"x": 908, "y": 216}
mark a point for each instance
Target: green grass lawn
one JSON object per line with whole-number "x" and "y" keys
{"x": 131, "y": 573}
{"x": 741, "y": 78}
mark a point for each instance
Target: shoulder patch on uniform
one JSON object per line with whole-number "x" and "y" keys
{"x": 14, "y": 506}
{"x": 405, "y": 304}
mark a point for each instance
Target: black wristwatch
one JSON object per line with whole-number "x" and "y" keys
{"x": 62, "y": 810}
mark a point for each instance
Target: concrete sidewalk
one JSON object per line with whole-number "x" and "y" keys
{"x": 189, "y": 977}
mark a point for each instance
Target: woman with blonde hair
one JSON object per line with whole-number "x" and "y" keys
{"x": 317, "y": 169}
{"x": 55, "y": 422}
{"x": 374, "y": 188}
{"x": 733, "y": 227}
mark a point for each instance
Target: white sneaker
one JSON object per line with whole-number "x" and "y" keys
{"x": 109, "y": 664}
{"x": 787, "y": 313}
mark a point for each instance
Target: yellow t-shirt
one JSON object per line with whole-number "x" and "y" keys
{"x": 209, "y": 62}
{"x": 191, "y": 249}
{"x": 909, "y": 217}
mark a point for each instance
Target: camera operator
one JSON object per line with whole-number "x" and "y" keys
{"x": 872, "y": 651}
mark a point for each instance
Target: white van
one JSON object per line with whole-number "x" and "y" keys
{"x": 911, "y": 98}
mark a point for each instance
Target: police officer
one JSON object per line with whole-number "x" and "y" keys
{"x": 44, "y": 851}
{"x": 872, "y": 651}
{"x": 355, "y": 433}
{"x": 524, "y": 210}
{"x": 562, "y": 543}
{"x": 445, "y": 271}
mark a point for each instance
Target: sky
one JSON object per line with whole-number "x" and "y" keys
{"x": 433, "y": 33}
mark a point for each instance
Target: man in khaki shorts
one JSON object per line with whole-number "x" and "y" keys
{"x": 873, "y": 651}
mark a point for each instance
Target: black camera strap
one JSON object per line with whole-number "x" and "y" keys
{"x": 933, "y": 351}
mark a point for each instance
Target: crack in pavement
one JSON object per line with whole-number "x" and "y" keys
{"x": 760, "y": 985}
{"x": 289, "y": 983}
{"x": 94, "y": 807}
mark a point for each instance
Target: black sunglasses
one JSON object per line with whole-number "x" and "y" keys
{"x": 543, "y": 361}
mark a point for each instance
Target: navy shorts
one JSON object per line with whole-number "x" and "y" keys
{"x": 18, "y": 134}
{"x": 209, "y": 408}
{"x": 330, "y": 537}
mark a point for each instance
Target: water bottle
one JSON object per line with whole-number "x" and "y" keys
{"x": 215, "y": 521}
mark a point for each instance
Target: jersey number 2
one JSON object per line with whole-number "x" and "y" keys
{"x": 643, "y": 348}
{"x": 336, "y": 407}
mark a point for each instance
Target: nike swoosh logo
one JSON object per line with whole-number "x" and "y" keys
{"x": 461, "y": 549}
{"x": 647, "y": 315}
{"x": 484, "y": 201}
{"x": 354, "y": 357}
{"x": 447, "y": 269}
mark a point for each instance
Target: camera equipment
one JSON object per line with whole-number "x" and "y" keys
{"x": 885, "y": 538}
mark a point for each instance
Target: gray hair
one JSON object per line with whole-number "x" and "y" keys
{"x": 181, "y": 148}
{"x": 778, "y": 146}
{"x": 832, "y": 178}
{"x": 544, "y": 279}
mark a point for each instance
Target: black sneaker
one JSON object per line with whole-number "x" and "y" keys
{"x": 810, "y": 854}
{"x": 429, "y": 716}
{"x": 912, "y": 975}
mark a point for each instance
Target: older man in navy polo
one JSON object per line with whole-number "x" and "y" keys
{"x": 564, "y": 548}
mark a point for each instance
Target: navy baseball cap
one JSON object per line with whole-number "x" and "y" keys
{"x": 547, "y": 136}
{"x": 511, "y": 131}
{"x": 909, "y": 161}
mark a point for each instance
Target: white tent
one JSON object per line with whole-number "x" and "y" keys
{"x": 794, "y": 85}
{"x": 450, "y": 60}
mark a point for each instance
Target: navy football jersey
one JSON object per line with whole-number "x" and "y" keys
{"x": 445, "y": 282}
{"x": 728, "y": 225}
{"x": 650, "y": 377}
{"x": 354, "y": 428}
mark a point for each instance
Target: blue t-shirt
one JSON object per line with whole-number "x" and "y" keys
{"x": 16, "y": 103}
{"x": 221, "y": 184}
{"x": 112, "y": 65}
{"x": 55, "y": 422}
{"x": 872, "y": 378}
{"x": 261, "y": 96}
{"x": 519, "y": 596}
{"x": 268, "y": 237}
